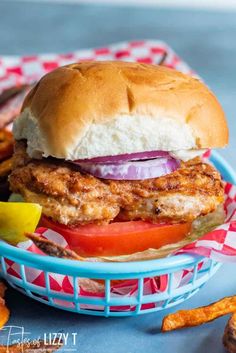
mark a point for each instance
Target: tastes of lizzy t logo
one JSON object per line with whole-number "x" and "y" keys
{"x": 20, "y": 338}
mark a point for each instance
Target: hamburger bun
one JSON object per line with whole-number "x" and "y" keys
{"x": 94, "y": 109}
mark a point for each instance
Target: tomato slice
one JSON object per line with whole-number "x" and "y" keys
{"x": 118, "y": 238}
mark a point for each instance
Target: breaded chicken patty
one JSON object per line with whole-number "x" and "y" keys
{"x": 70, "y": 196}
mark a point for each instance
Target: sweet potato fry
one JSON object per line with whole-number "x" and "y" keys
{"x": 6, "y": 144}
{"x": 229, "y": 338}
{"x": 4, "y": 312}
{"x": 5, "y": 167}
{"x": 2, "y": 289}
{"x": 199, "y": 316}
{"x": 52, "y": 249}
{"x": 32, "y": 347}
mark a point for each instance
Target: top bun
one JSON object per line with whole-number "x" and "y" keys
{"x": 94, "y": 109}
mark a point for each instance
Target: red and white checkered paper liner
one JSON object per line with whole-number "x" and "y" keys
{"x": 16, "y": 70}
{"x": 219, "y": 245}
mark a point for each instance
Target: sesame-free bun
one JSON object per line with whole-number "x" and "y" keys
{"x": 96, "y": 109}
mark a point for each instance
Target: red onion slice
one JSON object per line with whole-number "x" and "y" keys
{"x": 124, "y": 157}
{"x": 132, "y": 170}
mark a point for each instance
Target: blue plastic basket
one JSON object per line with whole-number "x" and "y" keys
{"x": 108, "y": 303}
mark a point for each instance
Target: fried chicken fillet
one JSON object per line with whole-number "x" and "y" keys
{"x": 72, "y": 197}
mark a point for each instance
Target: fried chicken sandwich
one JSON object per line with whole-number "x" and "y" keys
{"x": 112, "y": 151}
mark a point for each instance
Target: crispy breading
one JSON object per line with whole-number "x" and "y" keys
{"x": 70, "y": 196}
